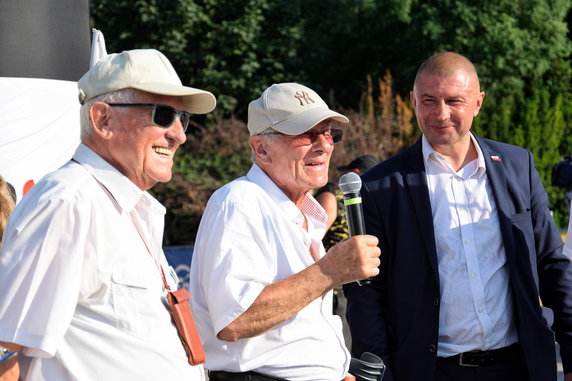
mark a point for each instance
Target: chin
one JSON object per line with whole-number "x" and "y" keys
{"x": 162, "y": 178}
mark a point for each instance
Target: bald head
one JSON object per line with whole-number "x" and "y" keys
{"x": 446, "y": 64}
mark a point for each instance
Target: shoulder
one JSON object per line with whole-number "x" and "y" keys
{"x": 501, "y": 147}
{"x": 57, "y": 192}
{"x": 68, "y": 182}
{"x": 239, "y": 199}
{"x": 510, "y": 155}
{"x": 408, "y": 160}
{"x": 238, "y": 191}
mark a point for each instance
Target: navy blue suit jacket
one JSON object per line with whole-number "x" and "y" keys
{"x": 397, "y": 316}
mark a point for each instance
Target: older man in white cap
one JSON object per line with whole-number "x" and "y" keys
{"x": 260, "y": 278}
{"x": 82, "y": 272}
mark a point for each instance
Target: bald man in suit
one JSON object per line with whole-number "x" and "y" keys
{"x": 470, "y": 253}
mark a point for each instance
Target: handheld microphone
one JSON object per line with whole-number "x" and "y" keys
{"x": 350, "y": 185}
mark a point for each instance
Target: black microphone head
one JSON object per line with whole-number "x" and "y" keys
{"x": 350, "y": 183}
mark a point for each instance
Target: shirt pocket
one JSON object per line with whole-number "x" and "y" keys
{"x": 129, "y": 294}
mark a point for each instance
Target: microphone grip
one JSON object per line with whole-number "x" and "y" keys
{"x": 354, "y": 216}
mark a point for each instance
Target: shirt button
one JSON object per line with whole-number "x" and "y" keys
{"x": 432, "y": 348}
{"x": 473, "y": 275}
{"x": 467, "y": 241}
{"x": 436, "y": 301}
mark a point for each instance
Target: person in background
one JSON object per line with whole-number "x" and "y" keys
{"x": 331, "y": 199}
{"x": 562, "y": 178}
{"x": 260, "y": 278}
{"x": 471, "y": 254}
{"x": 7, "y": 203}
{"x": 9, "y": 370}
{"x": 82, "y": 271}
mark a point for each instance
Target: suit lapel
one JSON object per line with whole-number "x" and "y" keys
{"x": 416, "y": 183}
{"x": 497, "y": 180}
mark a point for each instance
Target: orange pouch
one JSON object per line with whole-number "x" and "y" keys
{"x": 179, "y": 304}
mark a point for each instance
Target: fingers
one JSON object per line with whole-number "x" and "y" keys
{"x": 368, "y": 240}
{"x": 368, "y": 255}
{"x": 354, "y": 259}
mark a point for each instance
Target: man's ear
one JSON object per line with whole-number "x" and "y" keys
{"x": 479, "y": 101}
{"x": 100, "y": 115}
{"x": 412, "y": 98}
{"x": 259, "y": 149}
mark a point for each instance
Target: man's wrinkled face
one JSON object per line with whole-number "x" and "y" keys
{"x": 141, "y": 150}
{"x": 298, "y": 168}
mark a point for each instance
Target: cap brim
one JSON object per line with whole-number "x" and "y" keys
{"x": 305, "y": 121}
{"x": 196, "y": 101}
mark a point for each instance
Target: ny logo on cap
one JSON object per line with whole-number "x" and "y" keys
{"x": 302, "y": 95}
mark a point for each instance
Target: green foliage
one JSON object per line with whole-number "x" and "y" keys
{"x": 538, "y": 124}
{"x": 343, "y": 50}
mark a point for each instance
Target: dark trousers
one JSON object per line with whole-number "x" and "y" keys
{"x": 513, "y": 369}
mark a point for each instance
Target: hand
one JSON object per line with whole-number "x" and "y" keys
{"x": 353, "y": 259}
{"x": 9, "y": 370}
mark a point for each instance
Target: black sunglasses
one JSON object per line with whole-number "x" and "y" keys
{"x": 161, "y": 115}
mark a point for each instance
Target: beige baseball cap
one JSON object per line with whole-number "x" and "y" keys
{"x": 142, "y": 69}
{"x": 289, "y": 108}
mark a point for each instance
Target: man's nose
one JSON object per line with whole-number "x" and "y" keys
{"x": 176, "y": 132}
{"x": 442, "y": 111}
{"x": 322, "y": 142}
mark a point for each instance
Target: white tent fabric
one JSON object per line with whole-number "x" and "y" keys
{"x": 98, "y": 49}
{"x": 39, "y": 128}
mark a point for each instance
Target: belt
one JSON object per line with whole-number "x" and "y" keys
{"x": 219, "y": 375}
{"x": 483, "y": 358}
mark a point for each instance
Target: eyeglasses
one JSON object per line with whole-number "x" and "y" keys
{"x": 161, "y": 115}
{"x": 332, "y": 135}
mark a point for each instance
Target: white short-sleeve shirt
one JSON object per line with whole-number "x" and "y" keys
{"x": 80, "y": 290}
{"x": 250, "y": 236}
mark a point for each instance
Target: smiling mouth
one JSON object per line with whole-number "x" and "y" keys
{"x": 441, "y": 127}
{"x": 163, "y": 151}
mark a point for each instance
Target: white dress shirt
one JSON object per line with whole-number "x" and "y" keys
{"x": 251, "y": 235}
{"x": 80, "y": 291}
{"x": 476, "y": 310}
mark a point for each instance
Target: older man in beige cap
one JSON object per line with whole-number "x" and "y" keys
{"x": 260, "y": 277}
{"x": 82, "y": 271}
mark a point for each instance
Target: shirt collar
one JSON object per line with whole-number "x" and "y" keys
{"x": 429, "y": 152}
{"x": 310, "y": 207}
{"x": 125, "y": 192}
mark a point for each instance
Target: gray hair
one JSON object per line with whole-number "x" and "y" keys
{"x": 119, "y": 96}
{"x": 269, "y": 135}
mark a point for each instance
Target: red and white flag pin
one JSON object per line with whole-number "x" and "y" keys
{"x": 496, "y": 158}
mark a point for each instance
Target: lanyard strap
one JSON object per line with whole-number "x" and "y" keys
{"x": 153, "y": 259}
{"x": 136, "y": 229}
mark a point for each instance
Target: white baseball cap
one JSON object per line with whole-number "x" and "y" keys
{"x": 289, "y": 108}
{"x": 142, "y": 69}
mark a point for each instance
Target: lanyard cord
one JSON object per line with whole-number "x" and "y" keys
{"x": 137, "y": 229}
{"x": 153, "y": 258}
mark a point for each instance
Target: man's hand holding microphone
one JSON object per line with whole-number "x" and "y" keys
{"x": 356, "y": 258}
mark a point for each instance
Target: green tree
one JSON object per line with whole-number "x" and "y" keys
{"x": 340, "y": 47}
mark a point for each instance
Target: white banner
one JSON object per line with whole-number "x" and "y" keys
{"x": 39, "y": 128}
